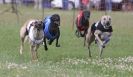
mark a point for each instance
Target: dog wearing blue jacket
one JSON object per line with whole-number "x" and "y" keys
{"x": 51, "y": 29}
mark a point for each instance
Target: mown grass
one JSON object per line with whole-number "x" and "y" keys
{"x": 71, "y": 59}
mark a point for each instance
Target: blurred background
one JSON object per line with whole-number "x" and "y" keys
{"x": 109, "y": 5}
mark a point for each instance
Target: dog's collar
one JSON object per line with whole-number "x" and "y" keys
{"x": 102, "y": 25}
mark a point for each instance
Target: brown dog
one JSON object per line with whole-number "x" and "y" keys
{"x": 101, "y": 32}
{"x": 34, "y": 30}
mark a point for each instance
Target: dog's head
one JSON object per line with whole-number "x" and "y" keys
{"x": 106, "y": 21}
{"x": 86, "y": 14}
{"x": 55, "y": 19}
{"x": 38, "y": 24}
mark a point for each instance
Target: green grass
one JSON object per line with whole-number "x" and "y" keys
{"x": 71, "y": 59}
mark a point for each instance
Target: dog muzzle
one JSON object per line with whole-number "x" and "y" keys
{"x": 56, "y": 22}
{"x": 107, "y": 25}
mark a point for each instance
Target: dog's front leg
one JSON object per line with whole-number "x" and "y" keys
{"x": 106, "y": 37}
{"x": 89, "y": 39}
{"x": 33, "y": 52}
{"x": 99, "y": 41}
{"x": 97, "y": 33}
{"x": 85, "y": 33}
{"x": 58, "y": 36}
{"x": 45, "y": 44}
{"x": 101, "y": 51}
{"x": 57, "y": 45}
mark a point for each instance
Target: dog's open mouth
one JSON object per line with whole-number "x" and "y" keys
{"x": 108, "y": 23}
{"x": 56, "y": 23}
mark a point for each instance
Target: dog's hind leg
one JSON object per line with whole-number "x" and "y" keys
{"x": 89, "y": 43}
{"x": 50, "y": 41}
{"x": 26, "y": 38}
{"x": 89, "y": 39}
{"x": 22, "y": 38}
{"x": 22, "y": 45}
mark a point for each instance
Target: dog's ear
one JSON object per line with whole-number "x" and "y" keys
{"x": 109, "y": 18}
{"x": 36, "y": 22}
{"x": 41, "y": 24}
{"x": 32, "y": 24}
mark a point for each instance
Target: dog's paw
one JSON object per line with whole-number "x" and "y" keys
{"x": 58, "y": 45}
{"x": 49, "y": 42}
{"x": 46, "y": 48}
{"x": 103, "y": 46}
{"x": 90, "y": 55}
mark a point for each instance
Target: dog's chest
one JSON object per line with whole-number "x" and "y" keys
{"x": 99, "y": 26}
{"x": 34, "y": 36}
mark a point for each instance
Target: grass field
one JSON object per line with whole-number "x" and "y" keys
{"x": 71, "y": 59}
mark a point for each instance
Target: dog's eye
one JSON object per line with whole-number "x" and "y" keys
{"x": 104, "y": 18}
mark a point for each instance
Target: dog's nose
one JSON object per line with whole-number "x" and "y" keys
{"x": 108, "y": 23}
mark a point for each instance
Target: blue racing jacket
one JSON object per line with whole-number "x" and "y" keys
{"x": 46, "y": 24}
